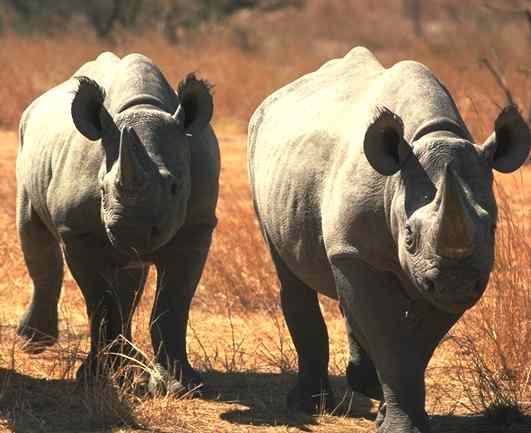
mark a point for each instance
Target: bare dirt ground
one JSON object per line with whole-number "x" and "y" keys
{"x": 238, "y": 340}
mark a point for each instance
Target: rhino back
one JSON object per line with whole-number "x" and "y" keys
{"x": 295, "y": 138}
{"x": 412, "y": 91}
{"x": 101, "y": 69}
{"x": 139, "y": 81}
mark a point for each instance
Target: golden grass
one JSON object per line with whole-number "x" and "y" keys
{"x": 237, "y": 335}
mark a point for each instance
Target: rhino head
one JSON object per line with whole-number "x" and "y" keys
{"x": 439, "y": 202}
{"x": 145, "y": 180}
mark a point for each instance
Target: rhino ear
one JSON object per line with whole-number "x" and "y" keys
{"x": 508, "y": 146}
{"x": 195, "y": 104}
{"x": 86, "y": 108}
{"x": 384, "y": 144}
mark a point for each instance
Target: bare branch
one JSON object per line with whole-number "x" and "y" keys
{"x": 500, "y": 79}
{"x": 505, "y": 10}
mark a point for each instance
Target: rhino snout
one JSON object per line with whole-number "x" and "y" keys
{"x": 450, "y": 290}
{"x": 132, "y": 238}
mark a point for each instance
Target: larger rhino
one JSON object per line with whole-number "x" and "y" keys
{"x": 370, "y": 189}
{"x": 121, "y": 171}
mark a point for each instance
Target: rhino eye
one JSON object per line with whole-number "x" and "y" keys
{"x": 426, "y": 198}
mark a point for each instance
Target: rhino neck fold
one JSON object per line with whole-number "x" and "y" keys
{"x": 440, "y": 124}
{"x": 143, "y": 100}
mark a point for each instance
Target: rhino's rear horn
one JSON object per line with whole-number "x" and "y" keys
{"x": 454, "y": 230}
{"x": 131, "y": 175}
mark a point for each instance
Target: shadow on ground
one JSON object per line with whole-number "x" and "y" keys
{"x": 30, "y": 405}
{"x": 264, "y": 397}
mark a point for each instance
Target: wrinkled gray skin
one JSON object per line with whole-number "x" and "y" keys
{"x": 121, "y": 171}
{"x": 369, "y": 189}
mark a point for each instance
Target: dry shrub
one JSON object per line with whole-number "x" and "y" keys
{"x": 283, "y": 45}
{"x": 492, "y": 365}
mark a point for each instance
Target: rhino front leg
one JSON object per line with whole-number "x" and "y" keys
{"x": 179, "y": 268}
{"x": 44, "y": 261}
{"x": 307, "y": 327}
{"x": 399, "y": 344}
{"x": 111, "y": 296}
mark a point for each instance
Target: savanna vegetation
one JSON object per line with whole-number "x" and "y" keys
{"x": 480, "y": 377}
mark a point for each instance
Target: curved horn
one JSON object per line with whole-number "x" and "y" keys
{"x": 131, "y": 175}
{"x": 454, "y": 231}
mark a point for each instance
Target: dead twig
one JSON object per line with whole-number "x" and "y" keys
{"x": 500, "y": 79}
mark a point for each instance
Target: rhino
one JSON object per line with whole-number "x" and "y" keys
{"x": 118, "y": 171}
{"x": 370, "y": 189}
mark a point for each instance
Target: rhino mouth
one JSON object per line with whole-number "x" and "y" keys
{"x": 115, "y": 243}
{"x": 129, "y": 249}
{"x": 453, "y": 300}
{"x": 451, "y": 306}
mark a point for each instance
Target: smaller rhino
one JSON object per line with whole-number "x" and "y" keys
{"x": 370, "y": 189}
{"x": 120, "y": 171}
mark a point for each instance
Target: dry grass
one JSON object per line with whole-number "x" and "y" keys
{"x": 237, "y": 336}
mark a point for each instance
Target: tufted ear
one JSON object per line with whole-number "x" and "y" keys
{"x": 508, "y": 146}
{"x": 86, "y": 108}
{"x": 195, "y": 104}
{"x": 384, "y": 144}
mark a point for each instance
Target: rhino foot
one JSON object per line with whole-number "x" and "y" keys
{"x": 380, "y": 417}
{"x": 38, "y": 330}
{"x": 311, "y": 399}
{"x": 387, "y": 423}
{"x": 384, "y": 429}
{"x": 363, "y": 379}
{"x": 188, "y": 383}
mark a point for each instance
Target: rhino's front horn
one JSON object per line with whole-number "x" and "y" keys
{"x": 454, "y": 235}
{"x": 131, "y": 175}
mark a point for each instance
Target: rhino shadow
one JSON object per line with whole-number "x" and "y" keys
{"x": 264, "y": 394}
{"x": 31, "y": 405}
{"x": 477, "y": 424}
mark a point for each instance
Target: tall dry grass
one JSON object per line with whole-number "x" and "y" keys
{"x": 236, "y": 327}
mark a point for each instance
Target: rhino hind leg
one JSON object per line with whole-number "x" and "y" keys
{"x": 44, "y": 261}
{"x": 361, "y": 373}
{"x": 308, "y": 331}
